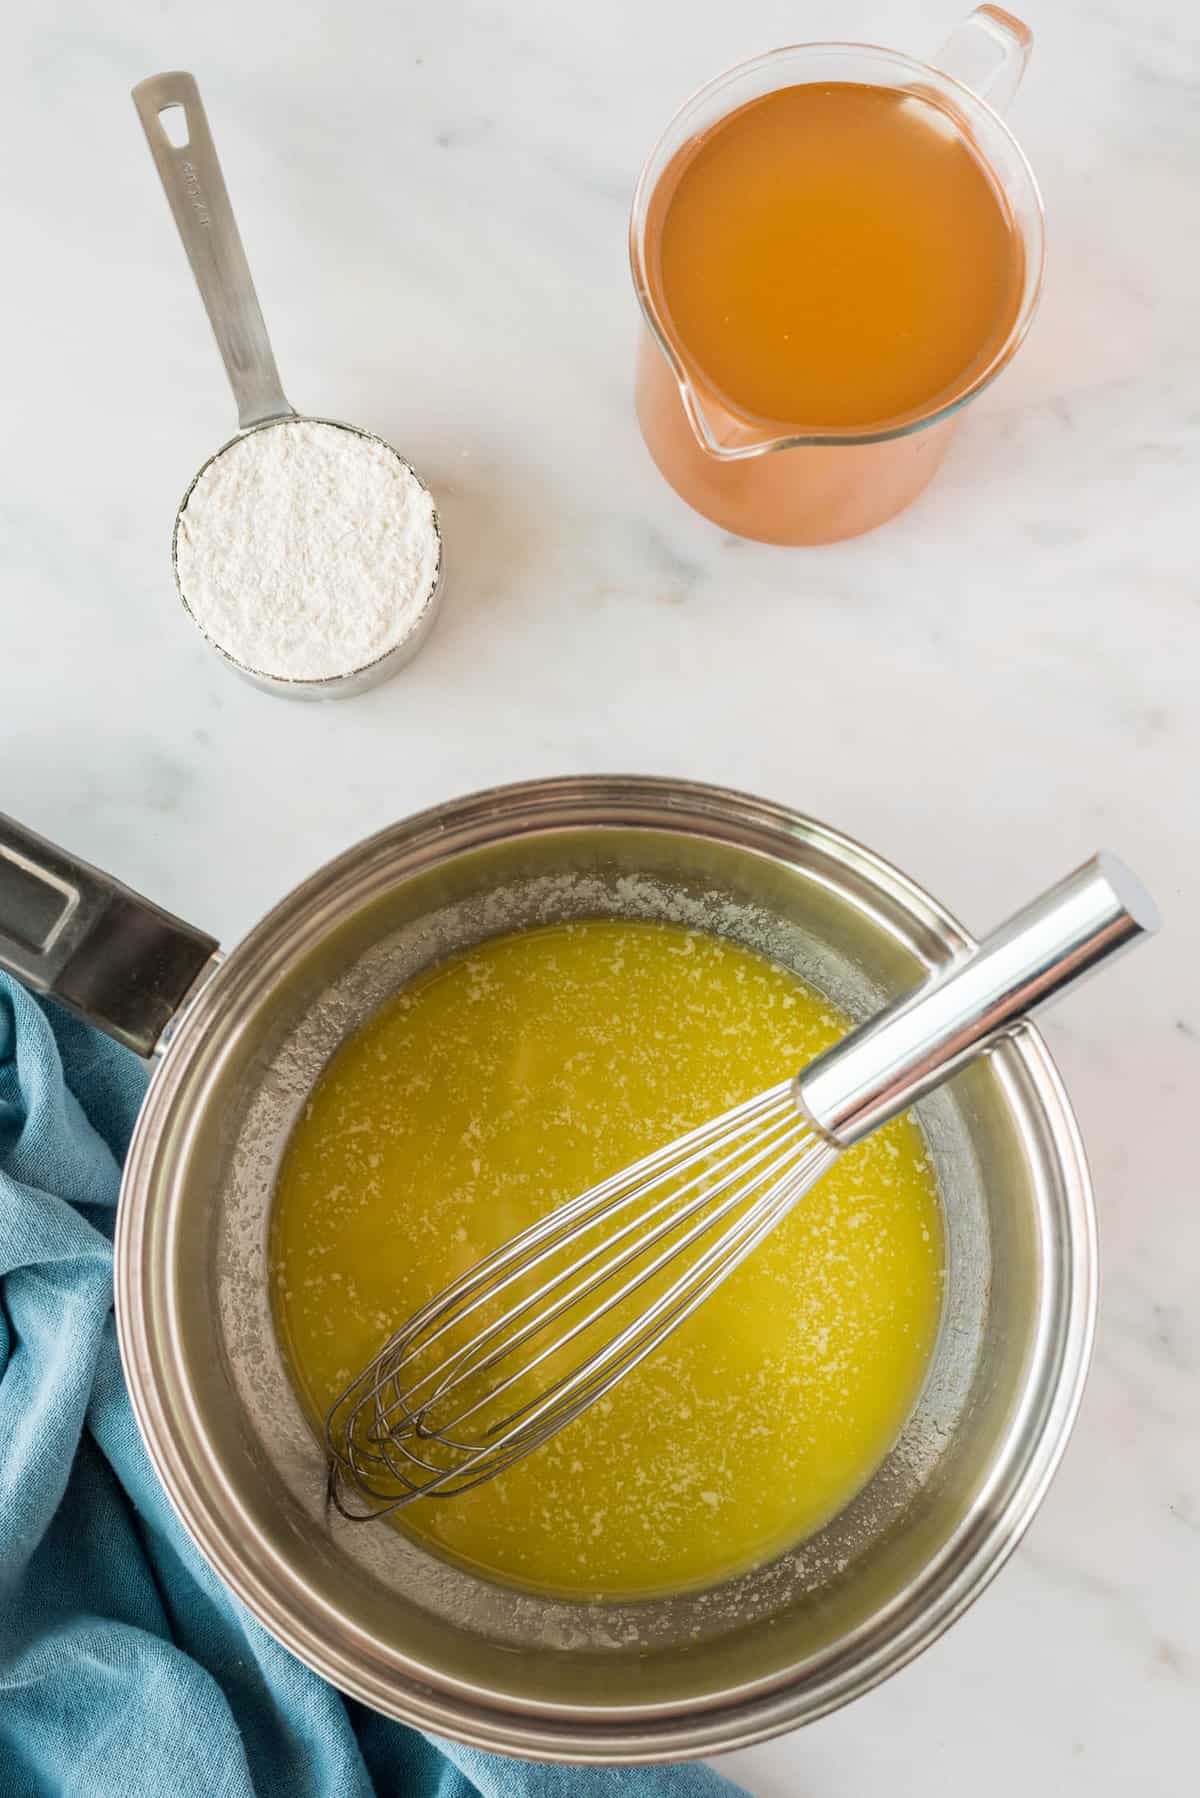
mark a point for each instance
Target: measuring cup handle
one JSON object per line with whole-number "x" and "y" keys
{"x": 68, "y": 930}
{"x": 194, "y": 185}
{"x": 988, "y": 53}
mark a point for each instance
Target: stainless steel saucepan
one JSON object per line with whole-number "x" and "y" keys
{"x": 239, "y": 1043}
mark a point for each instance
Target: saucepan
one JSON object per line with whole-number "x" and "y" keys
{"x": 238, "y": 1043}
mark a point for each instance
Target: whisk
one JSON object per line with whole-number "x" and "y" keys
{"x": 516, "y": 1348}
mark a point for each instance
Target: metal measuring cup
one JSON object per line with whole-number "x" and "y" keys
{"x": 191, "y": 176}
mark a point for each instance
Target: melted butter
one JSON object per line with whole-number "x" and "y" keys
{"x": 503, "y": 1082}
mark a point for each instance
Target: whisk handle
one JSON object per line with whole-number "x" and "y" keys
{"x": 916, "y": 1043}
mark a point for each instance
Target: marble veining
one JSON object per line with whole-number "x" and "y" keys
{"x": 434, "y": 203}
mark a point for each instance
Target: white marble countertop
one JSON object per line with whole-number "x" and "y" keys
{"x": 434, "y": 202}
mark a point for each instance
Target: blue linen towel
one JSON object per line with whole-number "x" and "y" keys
{"x": 127, "y": 1670}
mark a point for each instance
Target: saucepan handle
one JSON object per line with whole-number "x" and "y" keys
{"x": 70, "y": 931}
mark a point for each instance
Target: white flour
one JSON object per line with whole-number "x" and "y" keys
{"x": 306, "y": 550}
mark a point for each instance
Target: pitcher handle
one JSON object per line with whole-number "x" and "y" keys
{"x": 70, "y": 931}
{"x": 988, "y": 53}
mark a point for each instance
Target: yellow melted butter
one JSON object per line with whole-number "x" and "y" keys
{"x": 501, "y": 1083}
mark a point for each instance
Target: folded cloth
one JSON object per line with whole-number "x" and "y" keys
{"x": 127, "y": 1670}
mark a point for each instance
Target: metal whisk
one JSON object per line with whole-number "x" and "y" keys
{"x": 512, "y": 1351}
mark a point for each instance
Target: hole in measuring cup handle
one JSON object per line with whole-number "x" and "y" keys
{"x": 173, "y": 120}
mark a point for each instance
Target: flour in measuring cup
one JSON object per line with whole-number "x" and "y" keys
{"x": 306, "y": 550}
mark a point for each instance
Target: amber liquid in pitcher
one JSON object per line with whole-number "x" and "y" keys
{"x": 835, "y": 256}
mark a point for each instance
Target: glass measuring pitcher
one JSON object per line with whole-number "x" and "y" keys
{"x": 817, "y": 485}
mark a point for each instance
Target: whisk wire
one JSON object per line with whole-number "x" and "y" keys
{"x": 467, "y": 1363}
{"x": 573, "y": 1392}
{"x": 503, "y": 1267}
{"x": 392, "y": 1438}
{"x": 535, "y": 1422}
{"x": 568, "y": 1221}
